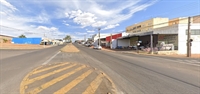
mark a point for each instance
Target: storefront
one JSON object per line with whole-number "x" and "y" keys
{"x": 112, "y": 41}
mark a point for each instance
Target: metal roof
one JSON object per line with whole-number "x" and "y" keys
{"x": 163, "y": 30}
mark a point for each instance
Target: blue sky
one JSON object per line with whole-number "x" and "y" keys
{"x": 57, "y": 18}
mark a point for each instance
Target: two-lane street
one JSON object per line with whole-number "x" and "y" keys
{"x": 130, "y": 73}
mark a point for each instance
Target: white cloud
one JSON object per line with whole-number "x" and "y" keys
{"x": 90, "y": 31}
{"x": 44, "y": 28}
{"x": 8, "y": 5}
{"x": 99, "y": 23}
{"x": 66, "y": 24}
{"x": 110, "y": 26}
{"x": 3, "y": 13}
{"x": 94, "y": 13}
{"x": 51, "y": 32}
{"x": 80, "y": 33}
{"x": 100, "y": 13}
{"x": 82, "y": 18}
{"x": 33, "y": 26}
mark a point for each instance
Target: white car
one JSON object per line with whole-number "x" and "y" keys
{"x": 97, "y": 47}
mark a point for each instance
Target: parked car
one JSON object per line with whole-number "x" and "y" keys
{"x": 87, "y": 45}
{"x": 98, "y": 47}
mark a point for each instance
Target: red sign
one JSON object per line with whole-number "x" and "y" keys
{"x": 108, "y": 38}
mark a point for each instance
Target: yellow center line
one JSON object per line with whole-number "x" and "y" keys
{"x": 94, "y": 85}
{"x": 48, "y": 74}
{"x": 38, "y": 71}
{"x": 73, "y": 83}
{"x": 50, "y": 83}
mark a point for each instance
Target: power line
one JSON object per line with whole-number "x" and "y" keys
{"x": 12, "y": 28}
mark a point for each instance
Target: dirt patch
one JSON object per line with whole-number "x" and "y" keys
{"x": 69, "y": 48}
{"x": 21, "y": 46}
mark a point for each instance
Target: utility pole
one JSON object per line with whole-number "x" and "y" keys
{"x": 44, "y": 40}
{"x": 111, "y": 41}
{"x": 99, "y": 36}
{"x": 151, "y": 43}
{"x": 188, "y": 38}
{"x": 85, "y": 38}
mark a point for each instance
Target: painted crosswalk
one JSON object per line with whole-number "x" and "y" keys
{"x": 190, "y": 62}
{"x": 193, "y": 62}
{"x": 65, "y": 78}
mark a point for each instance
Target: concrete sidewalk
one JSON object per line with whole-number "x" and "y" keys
{"x": 146, "y": 53}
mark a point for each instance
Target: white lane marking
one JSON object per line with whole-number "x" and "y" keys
{"x": 50, "y": 58}
{"x": 178, "y": 61}
{"x": 182, "y": 61}
{"x": 189, "y": 61}
{"x": 195, "y": 61}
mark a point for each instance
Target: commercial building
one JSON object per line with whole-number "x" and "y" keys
{"x": 165, "y": 35}
{"x": 113, "y": 43}
{"x": 95, "y": 39}
{"x": 147, "y": 25}
{"x": 184, "y": 20}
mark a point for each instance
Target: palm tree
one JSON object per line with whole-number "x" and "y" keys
{"x": 67, "y": 38}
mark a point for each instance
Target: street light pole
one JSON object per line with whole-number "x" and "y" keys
{"x": 99, "y": 36}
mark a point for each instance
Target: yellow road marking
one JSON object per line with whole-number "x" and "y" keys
{"x": 35, "y": 72}
{"x": 50, "y": 83}
{"x": 94, "y": 85}
{"x": 22, "y": 86}
{"x": 73, "y": 83}
{"x": 46, "y": 75}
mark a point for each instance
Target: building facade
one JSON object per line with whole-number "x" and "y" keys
{"x": 5, "y": 39}
{"x": 112, "y": 41}
{"x": 95, "y": 38}
{"x": 147, "y": 25}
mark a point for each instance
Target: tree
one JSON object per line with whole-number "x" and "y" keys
{"x": 22, "y": 36}
{"x": 5, "y": 40}
{"x": 68, "y": 38}
{"x": 89, "y": 39}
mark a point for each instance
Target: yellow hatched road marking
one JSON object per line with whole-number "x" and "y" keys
{"x": 73, "y": 83}
{"x": 50, "y": 83}
{"x": 94, "y": 85}
{"x": 35, "y": 72}
{"x": 48, "y": 74}
{"x": 22, "y": 86}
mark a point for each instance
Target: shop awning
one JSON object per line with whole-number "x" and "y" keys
{"x": 172, "y": 31}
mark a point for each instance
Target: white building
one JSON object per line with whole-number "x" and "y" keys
{"x": 95, "y": 38}
{"x": 182, "y": 38}
{"x": 175, "y": 35}
{"x": 180, "y": 41}
{"x": 117, "y": 42}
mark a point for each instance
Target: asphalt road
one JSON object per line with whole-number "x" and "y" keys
{"x": 6, "y": 53}
{"x": 14, "y": 68}
{"x": 141, "y": 74}
{"x": 130, "y": 73}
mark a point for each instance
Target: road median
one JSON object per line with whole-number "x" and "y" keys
{"x": 69, "y": 48}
